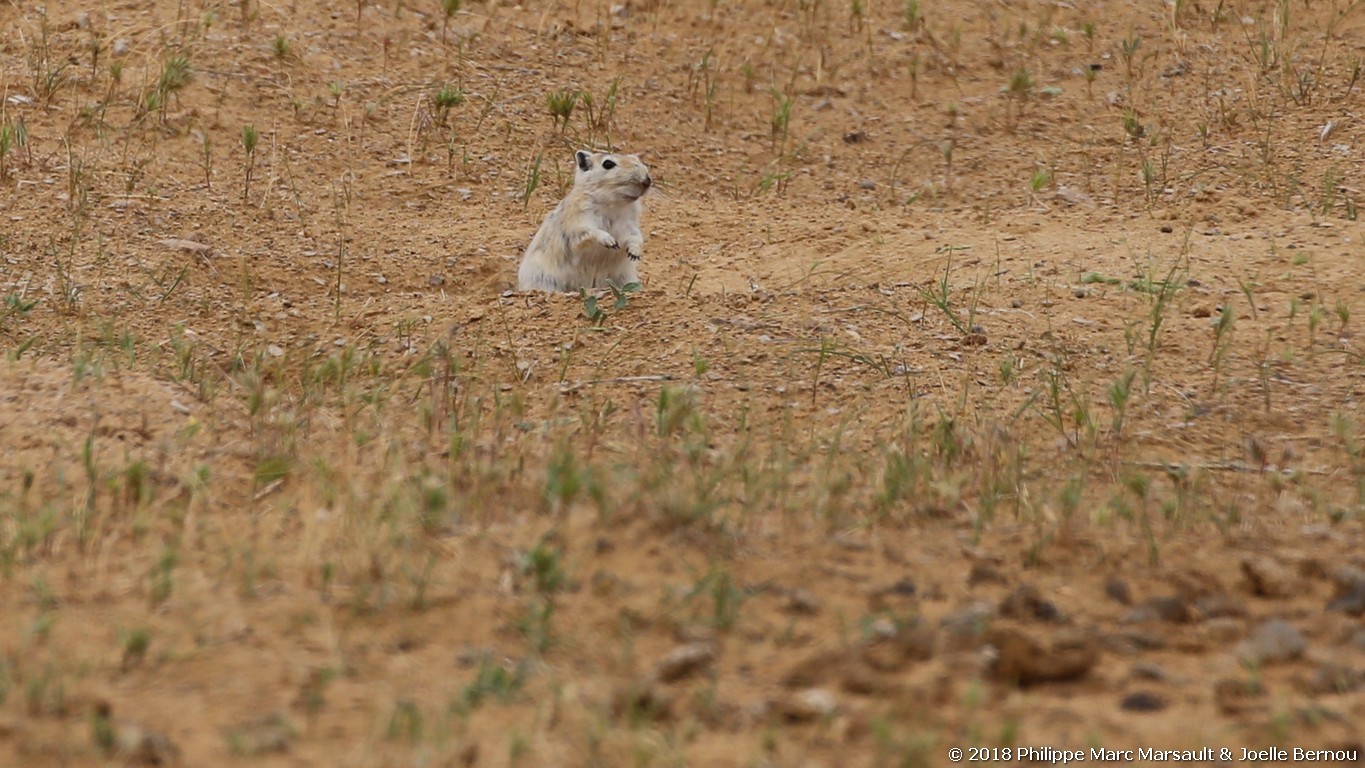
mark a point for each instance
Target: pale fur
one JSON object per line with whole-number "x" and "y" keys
{"x": 593, "y": 236}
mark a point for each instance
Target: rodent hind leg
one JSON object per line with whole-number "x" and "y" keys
{"x": 539, "y": 280}
{"x": 627, "y": 273}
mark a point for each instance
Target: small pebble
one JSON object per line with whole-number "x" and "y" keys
{"x": 685, "y": 661}
{"x": 1273, "y": 641}
{"x": 1142, "y": 701}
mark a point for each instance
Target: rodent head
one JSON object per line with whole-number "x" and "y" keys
{"x": 623, "y": 175}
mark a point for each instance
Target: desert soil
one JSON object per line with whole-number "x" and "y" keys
{"x": 993, "y": 383}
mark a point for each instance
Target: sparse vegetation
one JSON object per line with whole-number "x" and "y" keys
{"x": 250, "y": 137}
{"x": 561, "y": 104}
{"x": 974, "y": 342}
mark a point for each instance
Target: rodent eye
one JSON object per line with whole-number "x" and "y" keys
{"x": 608, "y": 164}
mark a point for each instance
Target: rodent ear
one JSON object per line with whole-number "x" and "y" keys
{"x": 584, "y": 160}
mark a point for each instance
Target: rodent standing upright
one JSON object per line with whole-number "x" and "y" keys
{"x": 593, "y": 236}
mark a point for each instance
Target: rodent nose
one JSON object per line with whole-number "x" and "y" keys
{"x": 648, "y": 182}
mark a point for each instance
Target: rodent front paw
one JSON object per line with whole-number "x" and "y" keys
{"x": 609, "y": 242}
{"x": 634, "y": 255}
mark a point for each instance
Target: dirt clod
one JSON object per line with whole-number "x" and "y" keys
{"x": 1174, "y": 609}
{"x": 685, "y": 661}
{"x": 1026, "y": 603}
{"x": 1142, "y": 701}
{"x": 1272, "y": 642}
{"x": 805, "y": 706}
{"x": 1350, "y": 599}
{"x": 141, "y": 746}
{"x": 986, "y": 573}
{"x": 647, "y": 699}
{"x": 964, "y": 628}
{"x": 267, "y": 734}
{"x": 1268, "y": 578}
{"x": 918, "y": 396}
{"x": 1117, "y": 589}
{"x": 1240, "y": 696}
{"x": 1030, "y": 657}
{"x": 1332, "y": 679}
{"x": 802, "y": 602}
{"x": 891, "y": 651}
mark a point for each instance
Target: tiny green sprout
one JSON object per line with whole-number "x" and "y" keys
{"x": 532, "y": 180}
{"x": 1356, "y": 67}
{"x": 15, "y": 306}
{"x": 1343, "y": 313}
{"x": 1119, "y": 392}
{"x": 1131, "y": 126}
{"x": 561, "y": 104}
{"x": 1017, "y": 91}
{"x": 1041, "y": 178}
{"x": 590, "y": 308}
{"x": 1129, "y": 48}
{"x": 490, "y": 679}
{"x": 781, "y": 118}
{"x": 1343, "y": 429}
{"x": 135, "y": 644}
{"x": 622, "y": 293}
{"x": 1315, "y": 316}
{"x": 281, "y": 46}
{"x": 914, "y": 15}
{"x": 544, "y": 564}
{"x": 405, "y": 722}
{"x": 103, "y": 732}
{"x": 162, "y": 582}
{"x": 536, "y": 625}
{"x": 1007, "y": 369}
{"x": 447, "y": 98}
{"x": 175, "y": 74}
{"x": 6, "y": 143}
{"x": 249, "y": 138}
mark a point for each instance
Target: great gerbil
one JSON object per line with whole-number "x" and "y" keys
{"x": 593, "y": 236}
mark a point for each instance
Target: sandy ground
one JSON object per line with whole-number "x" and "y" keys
{"x": 993, "y": 384}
